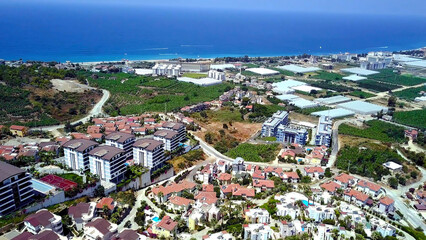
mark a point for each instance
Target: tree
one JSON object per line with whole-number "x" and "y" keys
{"x": 99, "y": 191}
{"x": 162, "y": 214}
{"x": 376, "y": 236}
{"x": 328, "y": 173}
{"x": 393, "y": 182}
{"x": 209, "y": 137}
{"x": 392, "y": 101}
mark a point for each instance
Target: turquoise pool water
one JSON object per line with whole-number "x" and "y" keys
{"x": 306, "y": 203}
{"x": 41, "y": 186}
{"x": 156, "y": 219}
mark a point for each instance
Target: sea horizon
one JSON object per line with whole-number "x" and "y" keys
{"x": 95, "y": 34}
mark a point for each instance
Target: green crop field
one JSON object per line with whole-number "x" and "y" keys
{"x": 308, "y": 111}
{"x": 379, "y": 130}
{"x": 327, "y": 76}
{"x": 361, "y": 94}
{"x": 416, "y": 118}
{"x": 284, "y": 72}
{"x": 410, "y": 93}
{"x": 194, "y": 75}
{"x": 377, "y": 86}
{"x": 254, "y": 152}
{"x": 137, "y": 94}
{"x": 388, "y": 76}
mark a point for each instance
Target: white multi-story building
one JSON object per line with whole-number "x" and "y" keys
{"x": 224, "y": 235}
{"x": 258, "y": 231}
{"x": 169, "y": 138}
{"x": 82, "y": 213}
{"x": 257, "y": 215}
{"x": 169, "y": 70}
{"x": 324, "y": 130}
{"x": 149, "y": 153}
{"x": 217, "y": 75}
{"x": 76, "y": 153}
{"x": 43, "y": 220}
{"x": 270, "y": 126}
{"x": 99, "y": 228}
{"x": 319, "y": 213}
{"x": 108, "y": 163}
{"x": 121, "y": 140}
{"x": 177, "y": 127}
{"x": 15, "y": 188}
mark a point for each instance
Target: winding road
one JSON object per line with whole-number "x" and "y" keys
{"x": 96, "y": 110}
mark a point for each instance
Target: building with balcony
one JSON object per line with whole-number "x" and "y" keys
{"x": 108, "y": 163}
{"x": 177, "y": 127}
{"x": 324, "y": 130}
{"x": 82, "y": 213}
{"x": 43, "y": 220}
{"x": 149, "y": 153}
{"x": 121, "y": 140}
{"x": 169, "y": 138}
{"x": 76, "y": 153}
{"x": 99, "y": 229}
{"x": 16, "y": 189}
{"x": 270, "y": 127}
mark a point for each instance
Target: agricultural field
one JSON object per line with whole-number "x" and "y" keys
{"x": 255, "y": 152}
{"x": 375, "y": 129}
{"x": 416, "y": 118}
{"x": 410, "y": 93}
{"x": 284, "y": 72}
{"x": 377, "y": 86}
{"x": 194, "y": 75}
{"x": 250, "y": 65}
{"x": 332, "y": 86}
{"x": 137, "y": 94}
{"x": 308, "y": 111}
{"x": 330, "y": 76}
{"x": 361, "y": 94}
{"x": 388, "y": 76}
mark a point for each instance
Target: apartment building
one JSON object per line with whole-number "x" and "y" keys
{"x": 270, "y": 126}
{"x": 149, "y": 153}
{"x": 76, "y": 153}
{"x": 16, "y": 189}
{"x": 290, "y": 134}
{"x": 99, "y": 229}
{"x": 216, "y": 75}
{"x": 324, "y": 129}
{"x": 43, "y": 220}
{"x": 258, "y": 231}
{"x": 121, "y": 140}
{"x": 257, "y": 215}
{"x": 177, "y": 127}
{"x": 108, "y": 163}
{"x": 170, "y": 70}
{"x": 169, "y": 138}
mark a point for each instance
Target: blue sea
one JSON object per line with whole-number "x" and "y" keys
{"x": 105, "y": 33}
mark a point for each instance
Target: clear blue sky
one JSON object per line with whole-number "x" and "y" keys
{"x": 379, "y": 7}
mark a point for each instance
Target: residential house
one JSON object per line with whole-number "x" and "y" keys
{"x": 287, "y": 229}
{"x": 165, "y": 228}
{"x": 256, "y": 215}
{"x": 19, "y": 131}
{"x": 386, "y": 205}
{"x": 291, "y": 177}
{"x": 262, "y": 185}
{"x": 344, "y": 180}
{"x": 45, "y": 235}
{"x": 16, "y": 189}
{"x": 238, "y": 165}
{"x": 82, "y": 213}
{"x": 179, "y": 203}
{"x": 108, "y": 163}
{"x": 257, "y": 231}
{"x": 162, "y": 194}
{"x": 331, "y": 187}
{"x": 76, "y": 153}
{"x": 369, "y": 188}
{"x": 99, "y": 229}
{"x": 43, "y": 220}
{"x": 108, "y": 202}
{"x": 356, "y": 197}
{"x": 224, "y": 178}
{"x": 411, "y": 134}
{"x": 314, "y": 172}
{"x": 129, "y": 234}
{"x": 320, "y": 213}
{"x": 208, "y": 198}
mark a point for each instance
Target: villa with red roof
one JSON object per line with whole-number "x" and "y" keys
{"x": 368, "y": 187}
{"x": 331, "y": 187}
{"x": 262, "y": 185}
{"x": 386, "y": 204}
{"x": 43, "y": 220}
{"x": 179, "y": 203}
{"x": 206, "y": 198}
{"x": 290, "y": 177}
{"x": 165, "y": 228}
{"x": 172, "y": 189}
{"x": 314, "y": 172}
{"x": 345, "y": 180}
{"x": 106, "y": 201}
{"x": 355, "y": 196}
{"x": 224, "y": 178}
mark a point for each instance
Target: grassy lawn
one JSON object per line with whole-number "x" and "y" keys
{"x": 361, "y": 94}
{"x": 327, "y": 76}
{"x": 250, "y": 65}
{"x": 410, "y": 93}
{"x": 377, "y": 86}
{"x": 132, "y": 94}
{"x": 72, "y": 177}
{"x": 254, "y": 152}
{"x": 271, "y": 139}
{"x": 308, "y": 111}
{"x": 194, "y": 75}
{"x": 416, "y": 118}
{"x": 382, "y": 131}
{"x": 387, "y": 75}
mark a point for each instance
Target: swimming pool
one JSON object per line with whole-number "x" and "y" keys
{"x": 42, "y": 187}
{"x": 156, "y": 219}
{"x": 306, "y": 203}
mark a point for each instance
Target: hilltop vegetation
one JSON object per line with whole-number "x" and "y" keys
{"x": 132, "y": 94}
{"x": 254, "y": 152}
{"x": 27, "y": 97}
{"x": 375, "y": 129}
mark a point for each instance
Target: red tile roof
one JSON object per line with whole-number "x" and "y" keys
{"x": 263, "y": 183}
{"x": 105, "y": 201}
{"x": 386, "y": 201}
{"x": 344, "y": 178}
{"x": 369, "y": 185}
{"x": 19, "y": 128}
{"x": 330, "y": 186}
{"x": 206, "y": 197}
{"x": 174, "y": 187}
{"x": 292, "y": 175}
{"x": 357, "y": 194}
{"x": 180, "y": 201}
{"x": 314, "y": 169}
{"x": 167, "y": 223}
{"x": 224, "y": 177}
{"x": 208, "y": 188}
